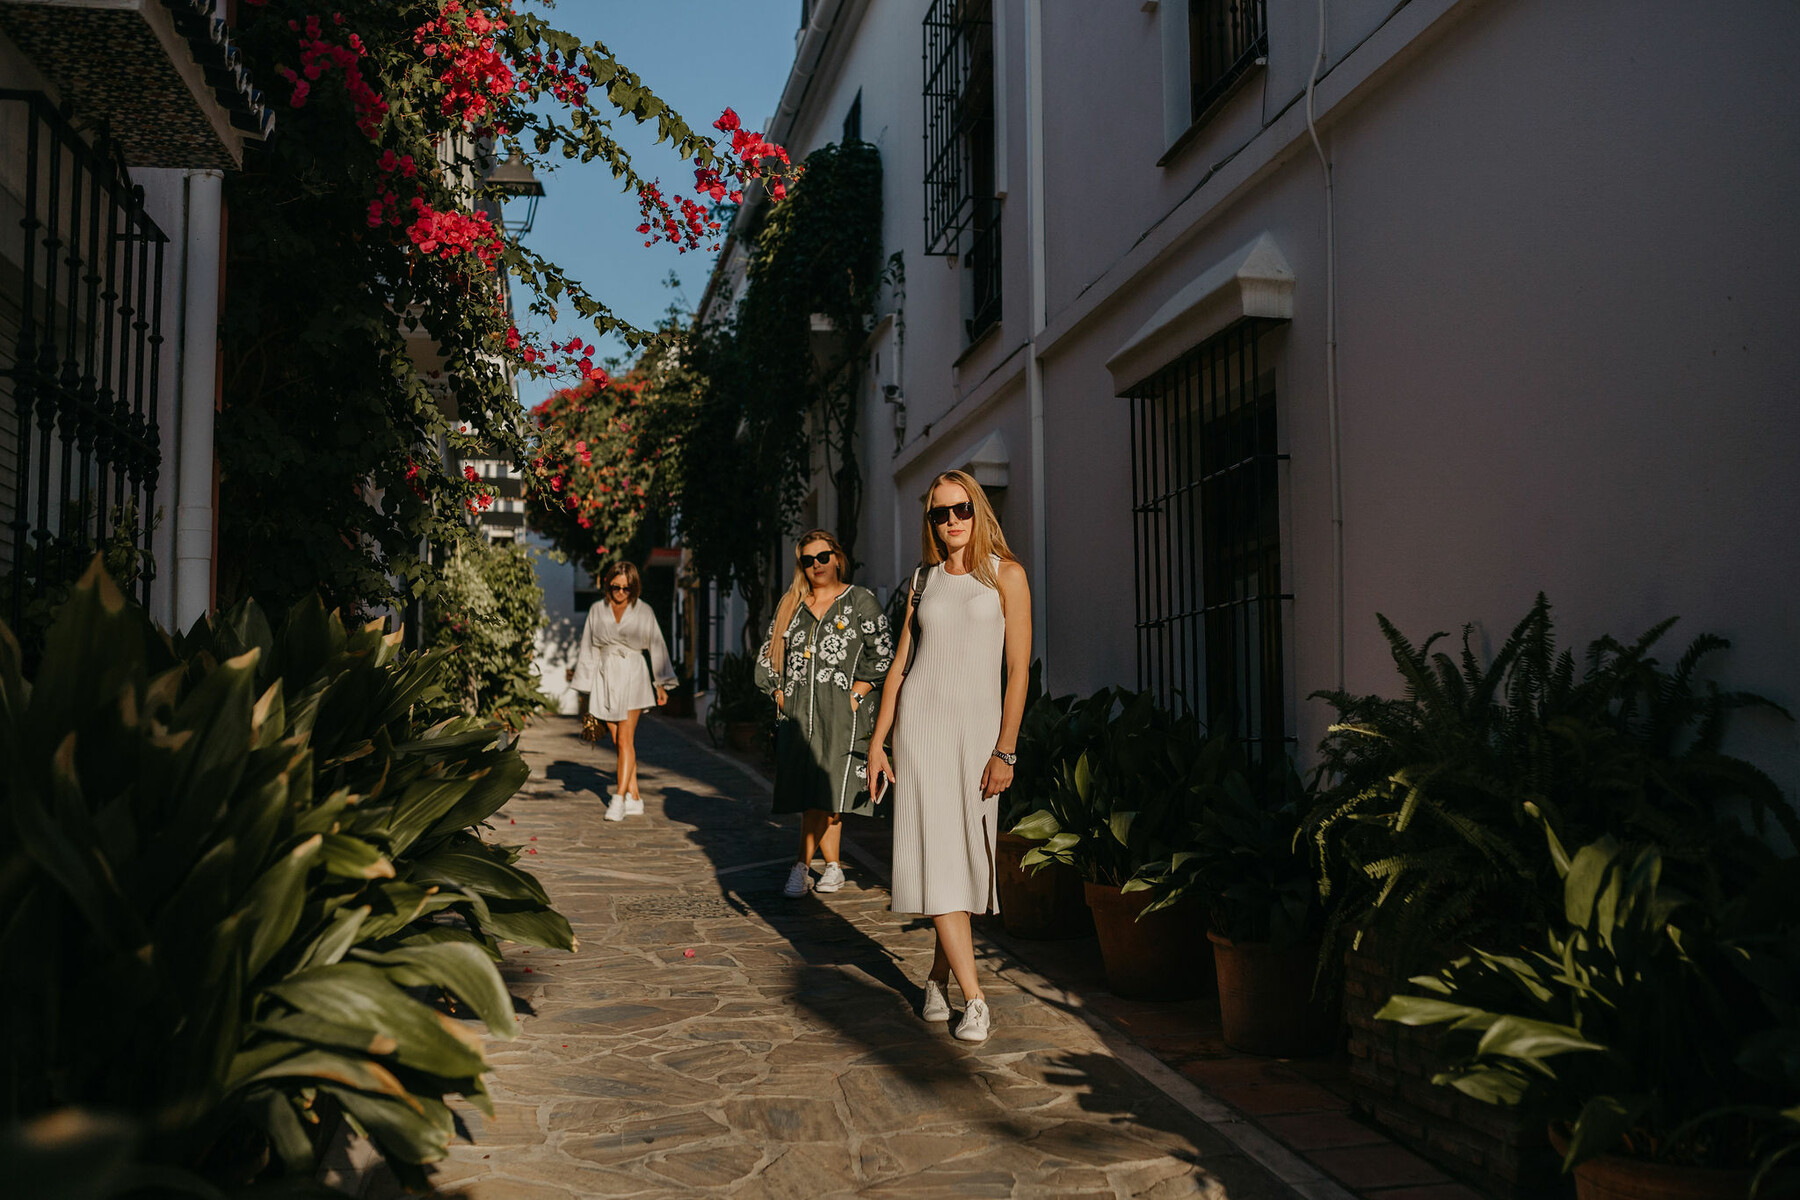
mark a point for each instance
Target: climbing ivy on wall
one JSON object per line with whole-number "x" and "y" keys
{"x": 760, "y": 388}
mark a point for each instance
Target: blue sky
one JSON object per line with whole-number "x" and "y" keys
{"x": 700, "y": 56}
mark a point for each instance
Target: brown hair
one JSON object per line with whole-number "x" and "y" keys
{"x": 629, "y": 570}
{"x": 985, "y": 541}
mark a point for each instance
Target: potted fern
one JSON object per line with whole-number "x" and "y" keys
{"x": 1128, "y": 798}
{"x": 1425, "y": 835}
{"x": 1658, "y": 1030}
{"x": 1422, "y": 809}
{"x": 1255, "y": 877}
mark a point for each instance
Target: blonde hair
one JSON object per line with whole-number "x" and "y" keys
{"x": 798, "y": 590}
{"x": 629, "y": 570}
{"x": 986, "y": 541}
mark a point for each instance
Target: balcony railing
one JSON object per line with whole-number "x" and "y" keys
{"x": 81, "y": 281}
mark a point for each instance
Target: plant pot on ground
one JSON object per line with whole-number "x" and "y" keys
{"x": 1261, "y": 892}
{"x": 1658, "y": 1027}
{"x": 1615, "y": 1177}
{"x": 1042, "y": 905}
{"x": 1129, "y": 791}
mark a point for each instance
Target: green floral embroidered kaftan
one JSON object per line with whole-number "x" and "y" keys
{"x": 822, "y": 735}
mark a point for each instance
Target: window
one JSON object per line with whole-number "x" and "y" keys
{"x": 853, "y": 120}
{"x": 81, "y": 281}
{"x": 1225, "y": 39}
{"x": 962, "y": 213}
{"x": 1206, "y": 536}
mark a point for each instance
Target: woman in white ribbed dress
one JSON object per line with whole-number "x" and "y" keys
{"x": 612, "y": 677}
{"x": 955, "y": 730}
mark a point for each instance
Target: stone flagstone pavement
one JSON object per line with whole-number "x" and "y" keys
{"x": 714, "y": 1037}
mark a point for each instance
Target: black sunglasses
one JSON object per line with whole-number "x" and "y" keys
{"x": 822, "y": 557}
{"x": 619, "y": 587}
{"x": 942, "y": 513}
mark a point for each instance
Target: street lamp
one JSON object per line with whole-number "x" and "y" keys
{"x": 512, "y": 179}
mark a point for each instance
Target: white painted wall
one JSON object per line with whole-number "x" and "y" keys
{"x": 559, "y": 641}
{"x": 1566, "y": 276}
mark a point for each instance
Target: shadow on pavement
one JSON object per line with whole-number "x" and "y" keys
{"x": 850, "y": 982}
{"x": 579, "y": 776}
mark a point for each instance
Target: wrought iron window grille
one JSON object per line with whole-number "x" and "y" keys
{"x": 983, "y": 263}
{"x": 959, "y": 119}
{"x": 1206, "y": 537}
{"x": 81, "y": 282}
{"x": 1225, "y": 39}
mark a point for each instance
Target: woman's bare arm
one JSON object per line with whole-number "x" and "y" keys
{"x": 890, "y": 702}
{"x": 1015, "y": 602}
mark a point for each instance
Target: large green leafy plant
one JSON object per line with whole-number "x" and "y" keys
{"x": 1422, "y": 822}
{"x": 1246, "y": 858}
{"x": 1128, "y": 796}
{"x": 488, "y": 614}
{"x": 1044, "y": 745}
{"x": 1656, "y": 1023}
{"x": 234, "y": 873}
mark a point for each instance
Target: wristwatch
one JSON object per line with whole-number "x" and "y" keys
{"x": 1011, "y": 760}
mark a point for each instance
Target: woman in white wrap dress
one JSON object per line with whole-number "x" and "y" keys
{"x": 616, "y": 685}
{"x": 955, "y": 719}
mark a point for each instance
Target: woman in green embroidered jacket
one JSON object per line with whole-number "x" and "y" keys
{"x": 828, "y": 648}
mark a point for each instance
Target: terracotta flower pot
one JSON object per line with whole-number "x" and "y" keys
{"x": 744, "y": 736}
{"x": 1266, "y": 1001}
{"x": 1045, "y": 904}
{"x": 1615, "y": 1177}
{"x": 1156, "y": 958}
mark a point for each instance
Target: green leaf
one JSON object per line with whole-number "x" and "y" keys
{"x": 1529, "y": 1040}
{"x": 325, "y": 1066}
{"x": 1490, "y": 1085}
{"x": 274, "y": 902}
{"x": 412, "y": 1129}
{"x": 1422, "y": 1010}
{"x": 305, "y": 1027}
{"x": 480, "y": 868}
{"x": 353, "y": 858}
{"x": 459, "y": 968}
{"x": 1038, "y": 825}
{"x": 361, "y": 995}
{"x": 533, "y": 927}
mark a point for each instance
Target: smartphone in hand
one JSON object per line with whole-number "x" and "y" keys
{"x": 882, "y": 782}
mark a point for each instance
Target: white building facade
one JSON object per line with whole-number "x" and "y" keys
{"x": 1265, "y": 316}
{"x": 117, "y": 123}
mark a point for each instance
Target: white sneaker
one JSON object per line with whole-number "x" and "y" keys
{"x": 634, "y": 807}
{"x": 974, "y": 1024}
{"x": 936, "y": 1007}
{"x": 799, "y": 882}
{"x": 615, "y": 808}
{"x": 830, "y": 879}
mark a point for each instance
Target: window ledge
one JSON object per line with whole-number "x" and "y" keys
{"x": 975, "y": 344}
{"x": 1192, "y": 133}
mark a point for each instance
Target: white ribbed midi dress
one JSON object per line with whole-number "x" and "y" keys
{"x": 944, "y": 732}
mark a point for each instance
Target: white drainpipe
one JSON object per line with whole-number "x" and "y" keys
{"x": 1034, "y": 369}
{"x": 199, "y": 353}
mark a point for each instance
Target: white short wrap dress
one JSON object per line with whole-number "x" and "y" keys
{"x": 610, "y": 665}
{"x": 944, "y": 732}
